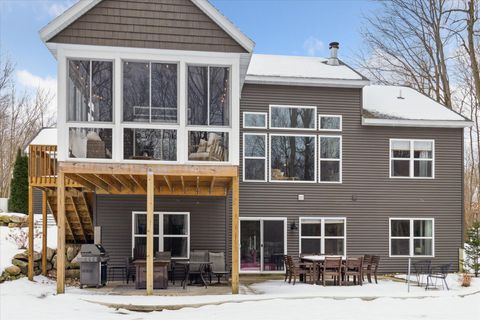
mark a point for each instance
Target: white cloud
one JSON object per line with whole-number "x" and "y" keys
{"x": 313, "y": 46}
{"x": 56, "y": 8}
{"x": 31, "y": 83}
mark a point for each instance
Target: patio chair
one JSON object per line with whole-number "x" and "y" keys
{"x": 421, "y": 268}
{"x": 195, "y": 268}
{"x": 332, "y": 266}
{"x": 140, "y": 252}
{"x": 218, "y": 266}
{"x": 353, "y": 267}
{"x": 367, "y": 265}
{"x": 131, "y": 271}
{"x": 287, "y": 268}
{"x": 373, "y": 269}
{"x": 300, "y": 269}
{"x": 441, "y": 275}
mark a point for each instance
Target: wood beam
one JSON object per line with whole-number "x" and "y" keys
{"x": 82, "y": 181}
{"x": 44, "y": 232}
{"x": 111, "y": 181}
{"x": 212, "y": 184}
{"x": 198, "y": 185}
{"x": 92, "y": 178}
{"x": 139, "y": 182}
{"x": 125, "y": 180}
{"x": 150, "y": 228}
{"x": 90, "y": 220}
{"x": 168, "y": 183}
{"x": 30, "y": 233}
{"x": 235, "y": 235}
{"x": 75, "y": 209}
{"x": 60, "y": 232}
{"x": 183, "y": 184}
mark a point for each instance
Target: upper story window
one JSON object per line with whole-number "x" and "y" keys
{"x": 411, "y": 237}
{"x": 330, "y": 159}
{"x": 293, "y": 117}
{"x": 208, "y": 96}
{"x": 292, "y": 158}
{"x": 89, "y": 86}
{"x": 150, "y": 144}
{"x": 208, "y": 146}
{"x": 411, "y": 158}
{"x": 255, "y": 120}
{"x": 254, "y": 157}
{"x": 150, "y": 92}
{"x": 330, "y": 123}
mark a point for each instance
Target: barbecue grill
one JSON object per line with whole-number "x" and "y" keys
{"x": 93, "y": 265}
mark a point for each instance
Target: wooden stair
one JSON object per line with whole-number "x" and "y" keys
{"x": 79, "y": 218}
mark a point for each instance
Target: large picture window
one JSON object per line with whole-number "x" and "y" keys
{"x": 207, "y": 146}
{"x": 150, "y": 144}
{"x": 89, "y": 91}
{"x": 324, "y": 236}
{"x": 254, "y": 157}
{"x": 90, "y": 143}
{"x": 208, "y": 96}
{"x": 171, "y": 233}
{"x": 149, "y": 92}
{"x": 411, "y": 237}
{"x": 292, "y": 158}
{"x": 293, "y": 117}
{"x": 411, "y": 158}
{"x": 330, "y": 159}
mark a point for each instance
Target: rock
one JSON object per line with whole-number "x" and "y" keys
{"x": 54, "y": 262}
{"x": 37, "y": 256}
{"x": 72, "y": 273}
{"x": 49, "y": 266}
{"x": 18, "y": 219}
{"x": 71, "y": 265}
{"x": 12, "y": 225}
{"x": 21, "y": 256}
{"x": 13, "y": 270}
{"x": 5, "y": 219}
{"x": 72, "y": 253}
{"x": 21, "y": 264}
{"x": 75, "y": 260}
{"x": 50, "y": 253}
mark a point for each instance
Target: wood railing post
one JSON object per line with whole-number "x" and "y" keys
{"x": 61, "y": 232}
{"x": 235, "y": 235}
{"x": 44, "y": 233}
{"x": 150, "y": 229}
{"x": 30, "y": 233}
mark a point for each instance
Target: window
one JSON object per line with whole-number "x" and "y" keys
{"x": 171, "y": 232}
{"x": 208, "y": 96}
{"x": 257, "y": 120}
{"x": 89, "y": 91}
{"x": 292, "y": 158}
{"x": 330, "y": 159}
{"x": 325, "y": 236}
{"x": 293, "y": 117}
{"x": 412, "y": 158}
{"x": 254, "y": 157}
{"x": 207, "y": 146}
{"x": 90, "y": 143}
{"x": 330, "y": 123}
{"x": 411, "y": 237}
{"x": 150, "y": 144}
{"x": 149, "y": 92}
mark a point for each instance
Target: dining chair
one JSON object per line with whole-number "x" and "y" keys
{"x": 332, "y": 266}
{"x": 353, "y": 267}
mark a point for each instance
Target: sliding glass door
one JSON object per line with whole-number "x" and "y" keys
{"x": 262, "y": 244}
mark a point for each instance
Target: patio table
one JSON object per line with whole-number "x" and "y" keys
{"x": 186, "y": 265}
{"x": 317, "y": 261}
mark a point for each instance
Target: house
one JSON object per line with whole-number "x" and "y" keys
{"x": 174, "y": 136}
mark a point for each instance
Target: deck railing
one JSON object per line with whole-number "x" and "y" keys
{"x": 42, "y": 165}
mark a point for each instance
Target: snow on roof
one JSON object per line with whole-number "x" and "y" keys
{"x": 403, "y": 103}
{"x": 46, "y": 136}
{"x": 263, "y": 65}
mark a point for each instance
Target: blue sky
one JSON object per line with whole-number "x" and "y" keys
{"x": 290, "y": 27}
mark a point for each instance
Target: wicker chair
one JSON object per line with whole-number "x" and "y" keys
{"x": 332, "y": 266}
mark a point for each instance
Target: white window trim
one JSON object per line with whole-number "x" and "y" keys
{"x": 270, "y": 157}
{"x": 161, "y": 236}
{"x": 320, "y": 116}
{"x": 298, "y": 107}
{"x": 262, "y": 219}
{"x": 320, "y": 159}
{"x": 322, "y": 237}
{"x": 411, "y": 159}
{"x": 257, "y": 158}
{"x": 411, "y": 238}
{"x": 264, "y": 114}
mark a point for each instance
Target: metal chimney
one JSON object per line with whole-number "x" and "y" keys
{"x": 333, "y": 60}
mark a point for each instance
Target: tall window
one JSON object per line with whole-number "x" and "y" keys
{"x": 330, "y": 158}
{"x": 208, "y": 96}
{"x": 207, "y": 146}
{"x": 292, "y": 158}
{"x": 90, "y": 143}
{"x": 293, "y": 117}
{"x": 325, "y": 236}
{"x": 150, "y": 144}
{"x": 411, "y": 158}
{"x": 149, "y": 92}
{"x": 254, "y": 157}
{"x": 411, "y": 237}
{"x": 171, "y": 232}
{"x": 89, "y": 91}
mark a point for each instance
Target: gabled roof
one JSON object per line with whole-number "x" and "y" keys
{"x": 301, "y": 70}
{"x": 83, "y": 6}
{"x": 404, "y": 106}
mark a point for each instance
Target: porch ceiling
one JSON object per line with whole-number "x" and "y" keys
{"x": 187, "y": 180}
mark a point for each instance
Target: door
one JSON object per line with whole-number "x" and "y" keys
{"x": 262, "y": 244}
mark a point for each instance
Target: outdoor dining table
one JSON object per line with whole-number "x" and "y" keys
{"x": 317, "y": 261}
{"x": 186, "y": 265}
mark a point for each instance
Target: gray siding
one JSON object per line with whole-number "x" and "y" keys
{"x": 37, "y": 202}
{"x": 365, "y": 176}
{"x": 114, "y": 215}
{"x": 157, "y": 24}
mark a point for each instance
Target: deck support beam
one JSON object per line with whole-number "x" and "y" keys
{"x": 235, "y": 235}
{"x": 44, "y": 232}
{"x": 30, "y": 233}
{"x": 150, "y": 228}
{"x": 61, "y": 223}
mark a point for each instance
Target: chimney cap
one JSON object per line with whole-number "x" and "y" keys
{"x": 334, "y": 45}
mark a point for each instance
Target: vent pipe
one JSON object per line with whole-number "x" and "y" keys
{"x": 333, "y": 60}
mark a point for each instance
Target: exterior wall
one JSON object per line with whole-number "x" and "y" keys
{"x": 37, "y": 202}
{"x": 365, "y": 177}
{"x": 160, "y": 24}
{"x": 114, "y": 215}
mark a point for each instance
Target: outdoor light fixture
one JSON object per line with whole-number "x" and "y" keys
{"x": 293, "y": 226}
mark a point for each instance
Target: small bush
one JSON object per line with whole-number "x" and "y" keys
{"x": 19, "y": 236}
{"x": 465, "y": 280}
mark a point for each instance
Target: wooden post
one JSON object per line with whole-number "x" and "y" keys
{"x": 235, "y": 236}
{"x": 30, "y": 233}
{"x": 61, "y": 232}
{"x": 44, "y": 233}
{"x": 150, "y": 228}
